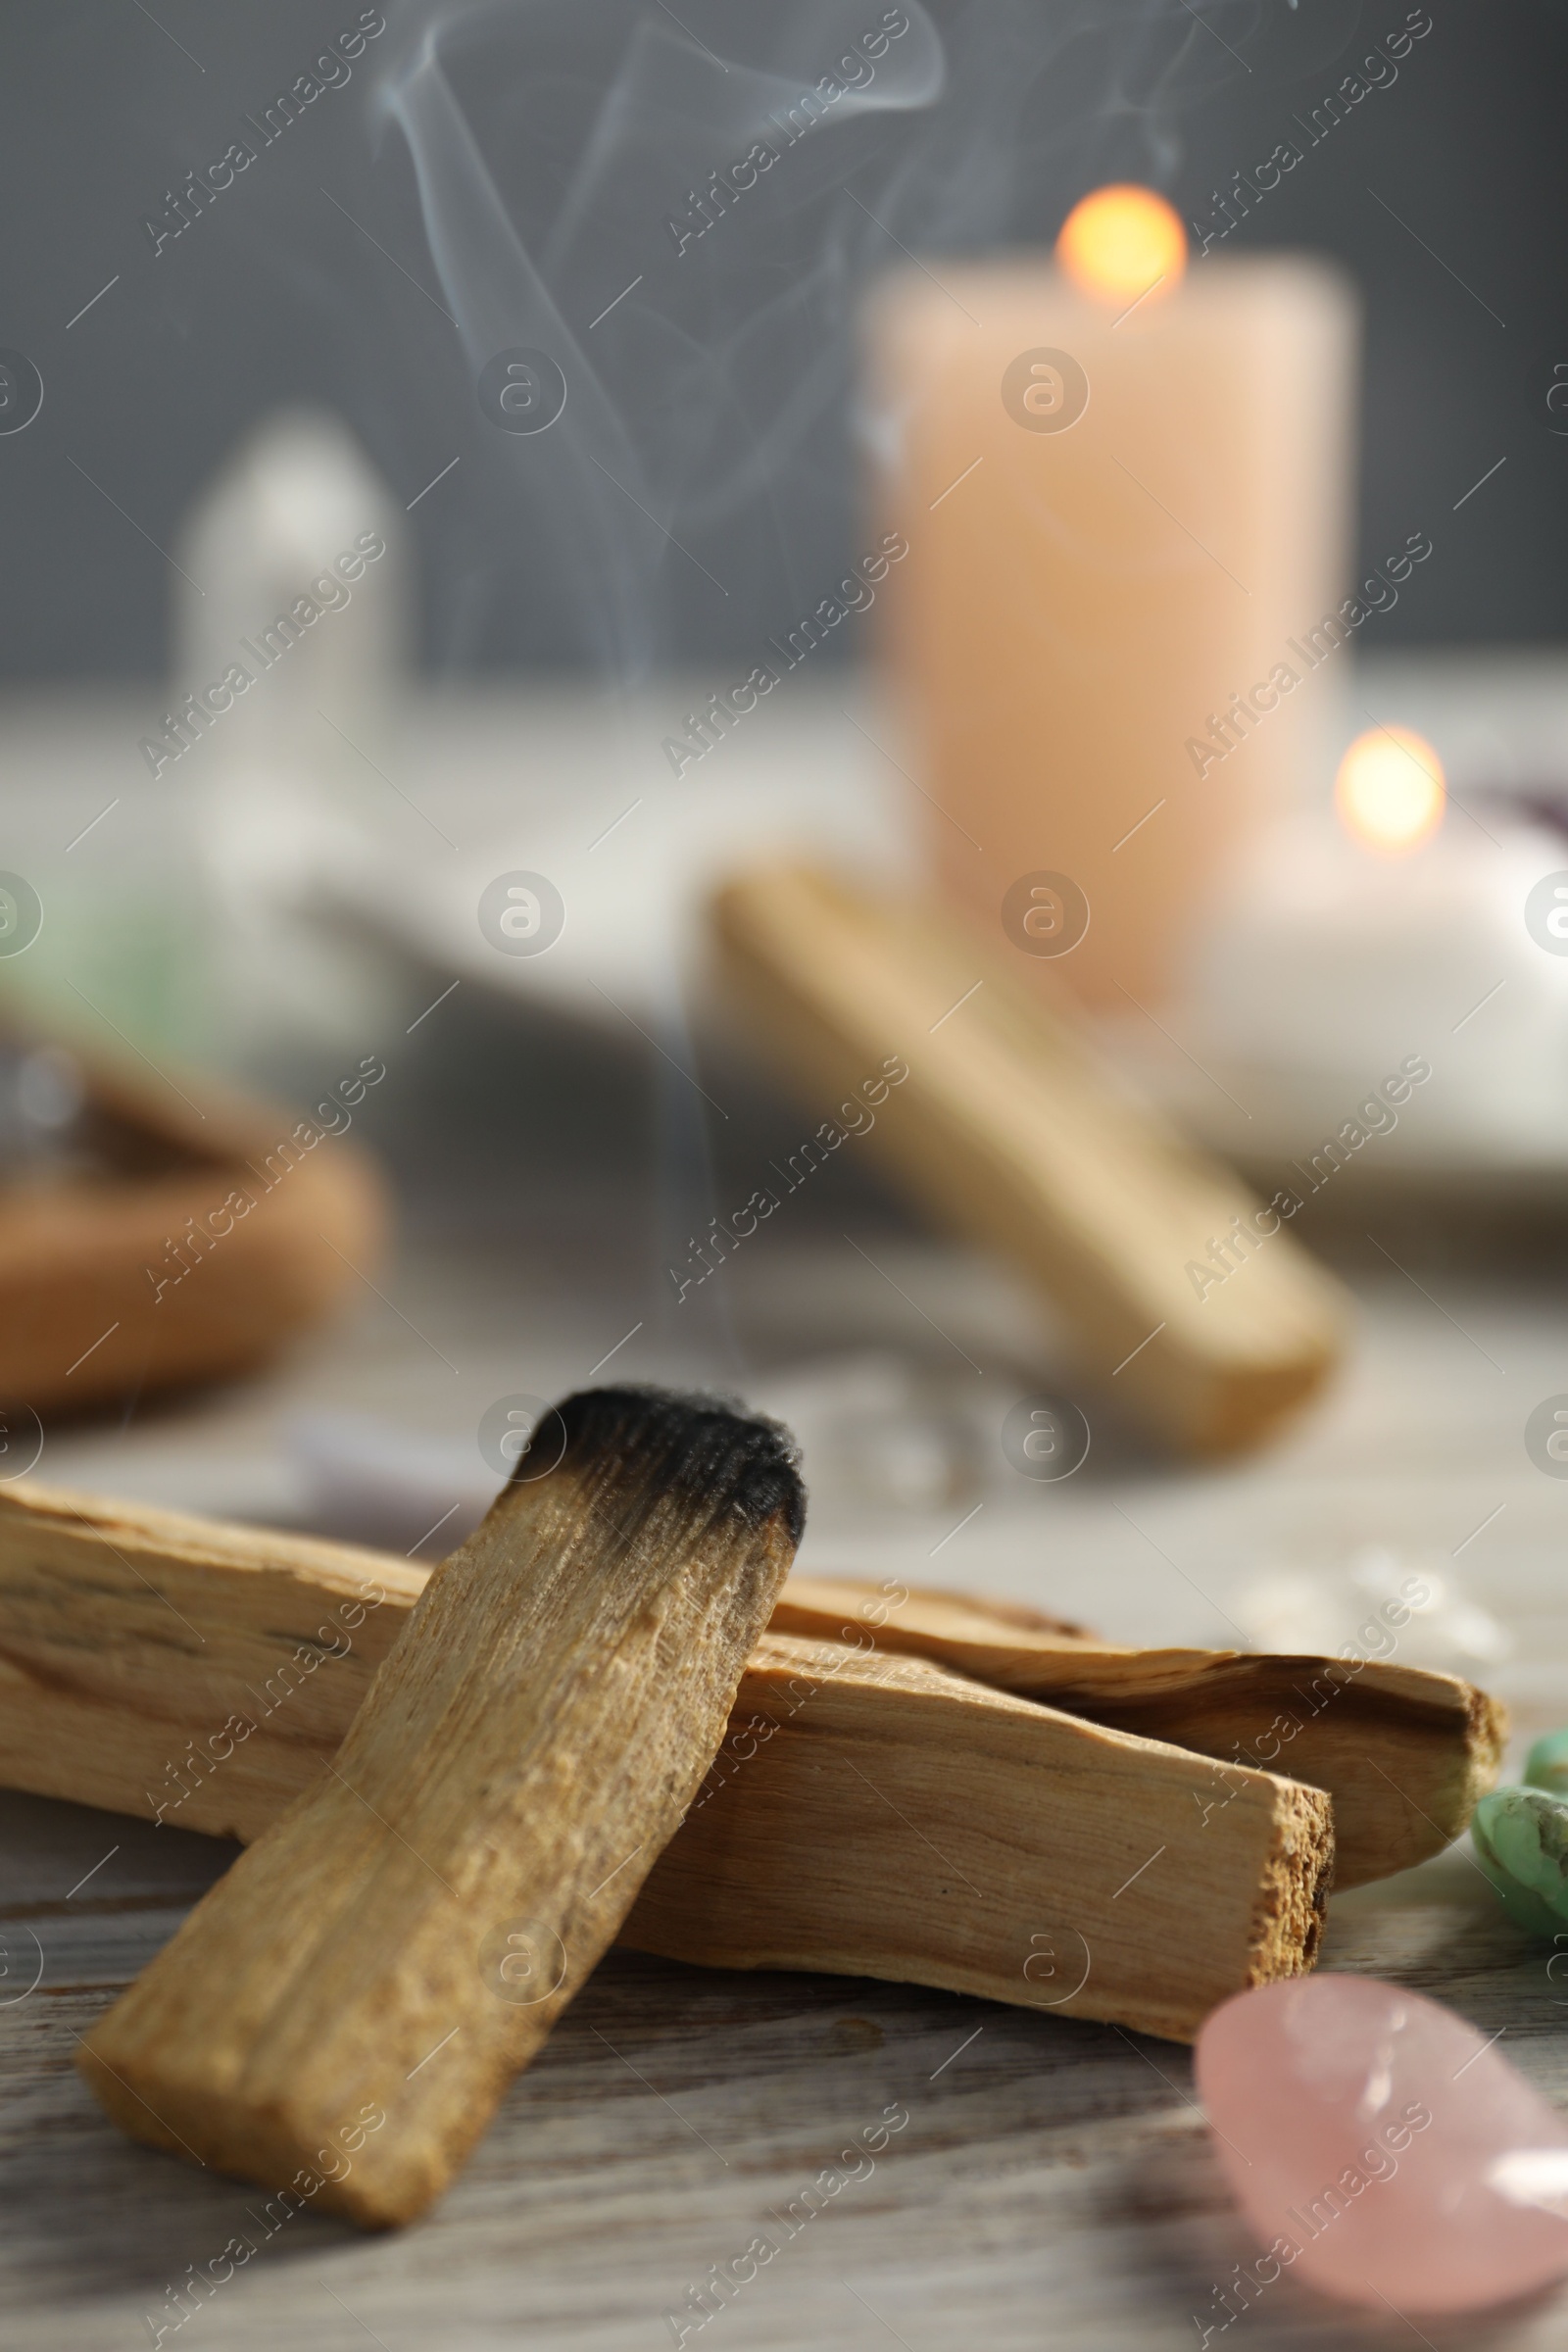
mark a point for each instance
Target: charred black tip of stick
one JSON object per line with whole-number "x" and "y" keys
{"x": 712, "y": 1454}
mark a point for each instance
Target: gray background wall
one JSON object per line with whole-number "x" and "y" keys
{"x": 276, "y": 293}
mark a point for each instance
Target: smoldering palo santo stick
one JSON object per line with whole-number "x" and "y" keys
{"x": 402, "y": 1940}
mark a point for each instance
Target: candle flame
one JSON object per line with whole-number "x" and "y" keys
{"x": 1123, "y": 243}
{"x": 1389, "y": 790}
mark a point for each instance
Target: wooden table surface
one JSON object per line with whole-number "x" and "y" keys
{"x": 1053, "y": 2182}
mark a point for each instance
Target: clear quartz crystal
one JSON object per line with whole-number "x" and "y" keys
{"x": 294, "y": 775}
{"x": 1380, "y": 1600}
{"x": 877, "y": 1433}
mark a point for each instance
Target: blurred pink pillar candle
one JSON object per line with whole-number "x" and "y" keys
{"x": 1383, "y": 2149}
{"x": 1121, "y": 510}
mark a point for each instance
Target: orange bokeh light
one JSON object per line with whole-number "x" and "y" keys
{"x": 1389, "y": 790}
{"x": 1122, "y": 243}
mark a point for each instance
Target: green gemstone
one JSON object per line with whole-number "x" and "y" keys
{"x": 1521, "y": 1836}
{"x": 1546, "y": 1765}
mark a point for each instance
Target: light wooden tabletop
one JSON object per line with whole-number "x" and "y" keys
{"x": 1051, "y": 2184}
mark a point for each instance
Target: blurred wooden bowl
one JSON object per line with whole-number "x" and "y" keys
{"x": 183, "y": 1234}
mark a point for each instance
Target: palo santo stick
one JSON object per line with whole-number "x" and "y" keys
{"x": 1006, "y": 1130}
{"x": 186, "y": 1670}
{"x": 888, "y": 1818}
{"x": 1404, "y": 1754}
{"x": 181, "y": 1668}
{"x": 400, "y": 1942}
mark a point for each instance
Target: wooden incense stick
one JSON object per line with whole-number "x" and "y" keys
{"x": 202, "y": 1674}
{"x": 1404, "y": 1754}
{"x": 400, "y": 1942}
{"x": 884, "y": 1817}
{"x": 1006, "y": 1131}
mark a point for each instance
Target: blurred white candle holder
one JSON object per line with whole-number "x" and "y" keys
{"x": 1411, "y": 1009}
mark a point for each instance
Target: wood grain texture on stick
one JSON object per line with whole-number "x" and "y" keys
{"x": 1008, "y": 1133}
{"x": 343, "y": 2011}
{"x": 1405, "y": 1753}
{"x": 888, "y": 1818}
{"x": 202, "y": 1674}
{"x": 184, "y": 1669}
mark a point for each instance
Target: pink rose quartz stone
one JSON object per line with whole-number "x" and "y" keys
{"x": 1384, "y": 2151}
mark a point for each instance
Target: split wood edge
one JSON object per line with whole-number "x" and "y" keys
{"x": 886, "y": 1817}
